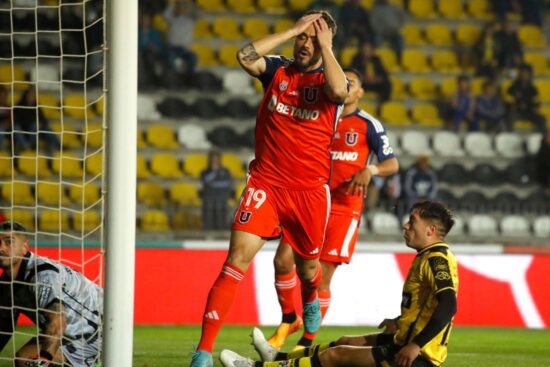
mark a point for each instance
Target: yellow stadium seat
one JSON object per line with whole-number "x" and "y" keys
{"x": 504, "y": 86}
{"x": 255, "y": 28}
{"x": 68, "y": 134}
{"x": 480, "y": 9}
{"x": 6, "y": 162}
{"x": 467, "y": 34}
{"x": 545, "y": 111}
{"x": 99, "y": 105}
{"x": 202, "y": 29}
{"x": 194, "y": 164}
{"x": 161, "y": 136}
{"x": 227, "y": 54}
{"x": 283, "y": 24}
{"x": 242, "y": 6}
{"x": 49, "y": 104}
{"x": 531, "y": 36}
{"x": 94, "y": 164}
{"x": 239, "y": 191}
{"x": 10, "y": 74}
{"x": 93, "y": 135}
{"x": 205, "y": 54}
{"x": 85, "y": 195}
{"x": 21, "y": 192}
{"x": 212, "y": 5}
{"x": 27, "y": 164}
{"x": 53, "y": 221}
{"x": 346, "y": 56}
{"x": 166, "y": 165}
{"x": 150, "y": 193}
{"x": 299, "y": 5}
{"x": 445, "y": 61}
{"x": 51, "y": 193}
{"x": 426, "y": 114}
{"x": 160, "y": 24}
{"x": 86, "y": 221}
{"x": 140, "y": 140}
{"x": 543, "y": 87}
{"x": 226, "y": 28}
{"x": 439, "y": 35}
{"x": 412, "y": 35}
{"x": 415, "y": 61}
{"x": 186, "y": 220}
{"x": 67, "y": 164}
{"x": 234, "y": 164}
{"x": 142, "y": 170}
{"x": 394, "y": 113}
{"x": 368, "y": 106}
{"x": 423, "y": 88}
{"x": 453, "y": 9}
{"x": 477, "y": 85}
{"x": 75, "y": 106}
{"x": 447, "y": 87}
{"x": 538, "y": 61}
{"x": 185, "y": 194}
{"x": 272, "y": 6}
{"x": 288, "y": 51}
{"x": 422, "y": 8}
{"x": 388, "y": 58}
{"x": 398, "y": 89}
{"x": 23, "y": 216}
{"x": 154, "y": 221}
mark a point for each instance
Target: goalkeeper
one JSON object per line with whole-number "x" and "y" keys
{"x": 66, "y": 306}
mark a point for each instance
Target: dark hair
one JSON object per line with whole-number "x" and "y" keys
{"x": 354, "y": 71}
{"x": 434, "y": 211}
{"x": 12, "y": 226}
{"x": 327, "y": 17}
{"x": 463, "y": 77}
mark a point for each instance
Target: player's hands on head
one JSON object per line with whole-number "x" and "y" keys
{"x": 324, "y": 34}
{"x": 359, "y": 183}
{"x": 389, "y": 325}
{"x": 406, "y": 355}
{"x": 304, "y": 22}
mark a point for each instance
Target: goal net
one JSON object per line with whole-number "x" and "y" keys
{"x": 52, "y": 62}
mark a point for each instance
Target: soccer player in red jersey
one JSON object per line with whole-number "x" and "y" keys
{"x": 358, "y": 138}
{"x": 287, "y": 191}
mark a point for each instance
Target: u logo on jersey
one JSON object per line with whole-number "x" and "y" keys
{"x": 311, "y": 94}
{"x": 244, "y": 216}
{"x": 351, "y": 138}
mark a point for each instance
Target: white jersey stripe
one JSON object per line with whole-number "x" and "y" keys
{"x": 349, "y": 236}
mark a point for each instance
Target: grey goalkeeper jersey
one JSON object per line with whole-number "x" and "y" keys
{"x": 40, "y": 284}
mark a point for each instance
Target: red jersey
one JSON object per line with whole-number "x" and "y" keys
{"x": 294, "y": 127}
{"x": 359, "y": 136}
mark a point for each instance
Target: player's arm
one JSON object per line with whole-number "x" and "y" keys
{"x": 251, "y": 55}
{"x": 50, "y": 339}
{"x": 336, "y": 86}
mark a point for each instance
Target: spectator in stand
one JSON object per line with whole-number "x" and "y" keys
{"x": 523, "y": 99}
{"x": 532, "y": 11}
{"x": 152, "y": 51}
{"x": 543, "y": 161}
{"x": 420, "y": 181}
{"x": 180, "y": 17}
{"x": 510, "y": 51}
{"x": 356, "y": 24}
{"x": 217, "y": 188}
{"x": 503, "y": 7}
{"x": 486, "y": 50}
{"x": 387, "y": 20}
{"x": 375, "y": 76}
{"x": 5, "y": 117}
{"x": 463, "y": 105}
{"x": 489, "y": 108}
{"x": 386, "y": 191}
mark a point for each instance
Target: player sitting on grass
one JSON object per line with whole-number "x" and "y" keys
{"x": 65, "y": 305}
{"x": 418, "y": 337}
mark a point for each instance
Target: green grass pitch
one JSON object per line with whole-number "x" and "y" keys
{"x": 169, "y": 346}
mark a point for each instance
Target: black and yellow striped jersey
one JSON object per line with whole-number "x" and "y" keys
{"x": 433, "y": 270}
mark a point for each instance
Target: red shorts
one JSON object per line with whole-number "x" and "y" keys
{"x": 299, "y": 215}
{"x": 340, "y": 237}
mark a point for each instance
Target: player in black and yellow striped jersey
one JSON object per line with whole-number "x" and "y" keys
{"x": 418, "y": 337}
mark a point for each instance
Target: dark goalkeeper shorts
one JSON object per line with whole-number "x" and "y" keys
{"x": 385, "y": 350}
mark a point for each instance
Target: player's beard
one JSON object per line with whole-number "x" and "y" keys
{"x": 314, "y": 59}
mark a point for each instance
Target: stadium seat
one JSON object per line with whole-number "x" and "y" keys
{"x": 393, "y": 138}
{"x": 237, "y": 82}
{"x": 453, "y": 174}
{"x": 254, "y": 28}
{"x": 447, "y": 87}
{"x": 423, "y": 88}
{"x": 514, "y": 226}
{"x": 150, "y": 193}
{"x": 299, "y": 5}
{"x": 94, "y": 164}
{"x": 206, "y": 81}
{"x": 84, "y": 195}
{"x": 385, "y": 224}
{"x": 201, "y": 29}
{"x": 445, "y": 61}
{"x": 194, "y": 164}
{"x": 226, "y": 28}
{"x": 161, "y": 136}
{"x": 543, "y": 86}
{"x": 477, "y": 85}
{"x": 398, "y": 90}
{"x": 166, "y": 165}
{"x": 49, "y": 104}
{"x": 27, "y": 164}
{"x": 227, "y": 56}
{"x": 53, "y": 221}
{"x": 538, "y": 61}
{"x": 154, "y": 221}
{"x": 347, "y": 55}
{"x": 480, "y": 9}
{"x": 482, "y": 225}
{"x": 192, "y": 136}
{"x": 458, "y": 227}
{"x": 93, "y": 135}
{"x": 531, "y": 36}
{"x": 242, "y": 6}
{"x": 23, "y": 216}
{"x": 439, "y": 34}
{"x": 414, "y": 61}
{"x": 506, "y": 202}
{"x": 10, "y": 73}
{"x": 447, "y": 144}
{"x": 67, "y": 164}
{"x": 452, "y": 9}
{"x": 76, "y": 106}
{"x": 51, "y": 194}
{"x": 537, "y": 202}
{"x": 284, "y": 24}
{"x": 467, "y": 34}
{"x": 486, "y": 174}
{"x": 394, "y": 113}
{"x": 185, "y": 194}
{"x": 533, "y": 143}
{"x": 147, "y": 108}
{"x": 159, "y": 23}
{"x": 224, "y": 137}
{"x": 447, "y": 197}
{"x": 207, "y": 108}
{"x": 479, "y": 144}
{"x": 187, "y": 220}
{"x": 412, "y": 35}
{"x": 237, "y": 108}
{"x": 541, "y": 226}
{"x": 171, "y": 107}
{"x": 415, "y": 143}
{"x": 509, "y": 145}
{"x": 426, "y": 114}
{"x": 86, "y": 221}
{"x": 69, "y": 136}
{"x": 272, "y": 6}
{"x": 389, "y": 59}
{"x": 205, "y": 54}
{"x": 234, "y": 164}
{"x": 6, "y": 162}
{"x": 422, "y": 8}
{"x": 473, "y": 201}
{"x": 142, "y": 168}
{"x": 17, "y": 193}
{"x": 216, "y": 6}
{"x": 521, "y": 172}
{"x": 368, "y": 107}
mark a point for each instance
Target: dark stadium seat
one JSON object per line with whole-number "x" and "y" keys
{"x": 23, "y": 20}
{"x": 48, "y": 19}
{"x": 521, "y": 172}
{"x": 238, "y": 108}
{"x": 224, "y": 137}
{"x": 207, "y": 81}
{"x": 506, "y": 202}
{"x": 174, "y": 107}
{"x": 207, "y": 108}
{"x": 447, "y": 197}
{"x": 248, "y": 137}
{"x": 172, "y": 79}
{"x": 474, "y": 202}
{"x": 537, "y": 202}
{"x": 486, "y": 174}
{"x": 453, "y": 173}
{"x": 46, "y": 47}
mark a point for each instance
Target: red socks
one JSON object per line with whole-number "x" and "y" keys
{"x": 284, "y": 285}
{"x": 220, "y": 299}
{"x": 310, "y": 286}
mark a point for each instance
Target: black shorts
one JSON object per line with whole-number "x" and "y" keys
{"x": 385, "y": 350}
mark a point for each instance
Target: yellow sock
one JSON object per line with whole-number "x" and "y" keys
{"x": 309, "y": 351}
{"x": 299, "y": 362}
